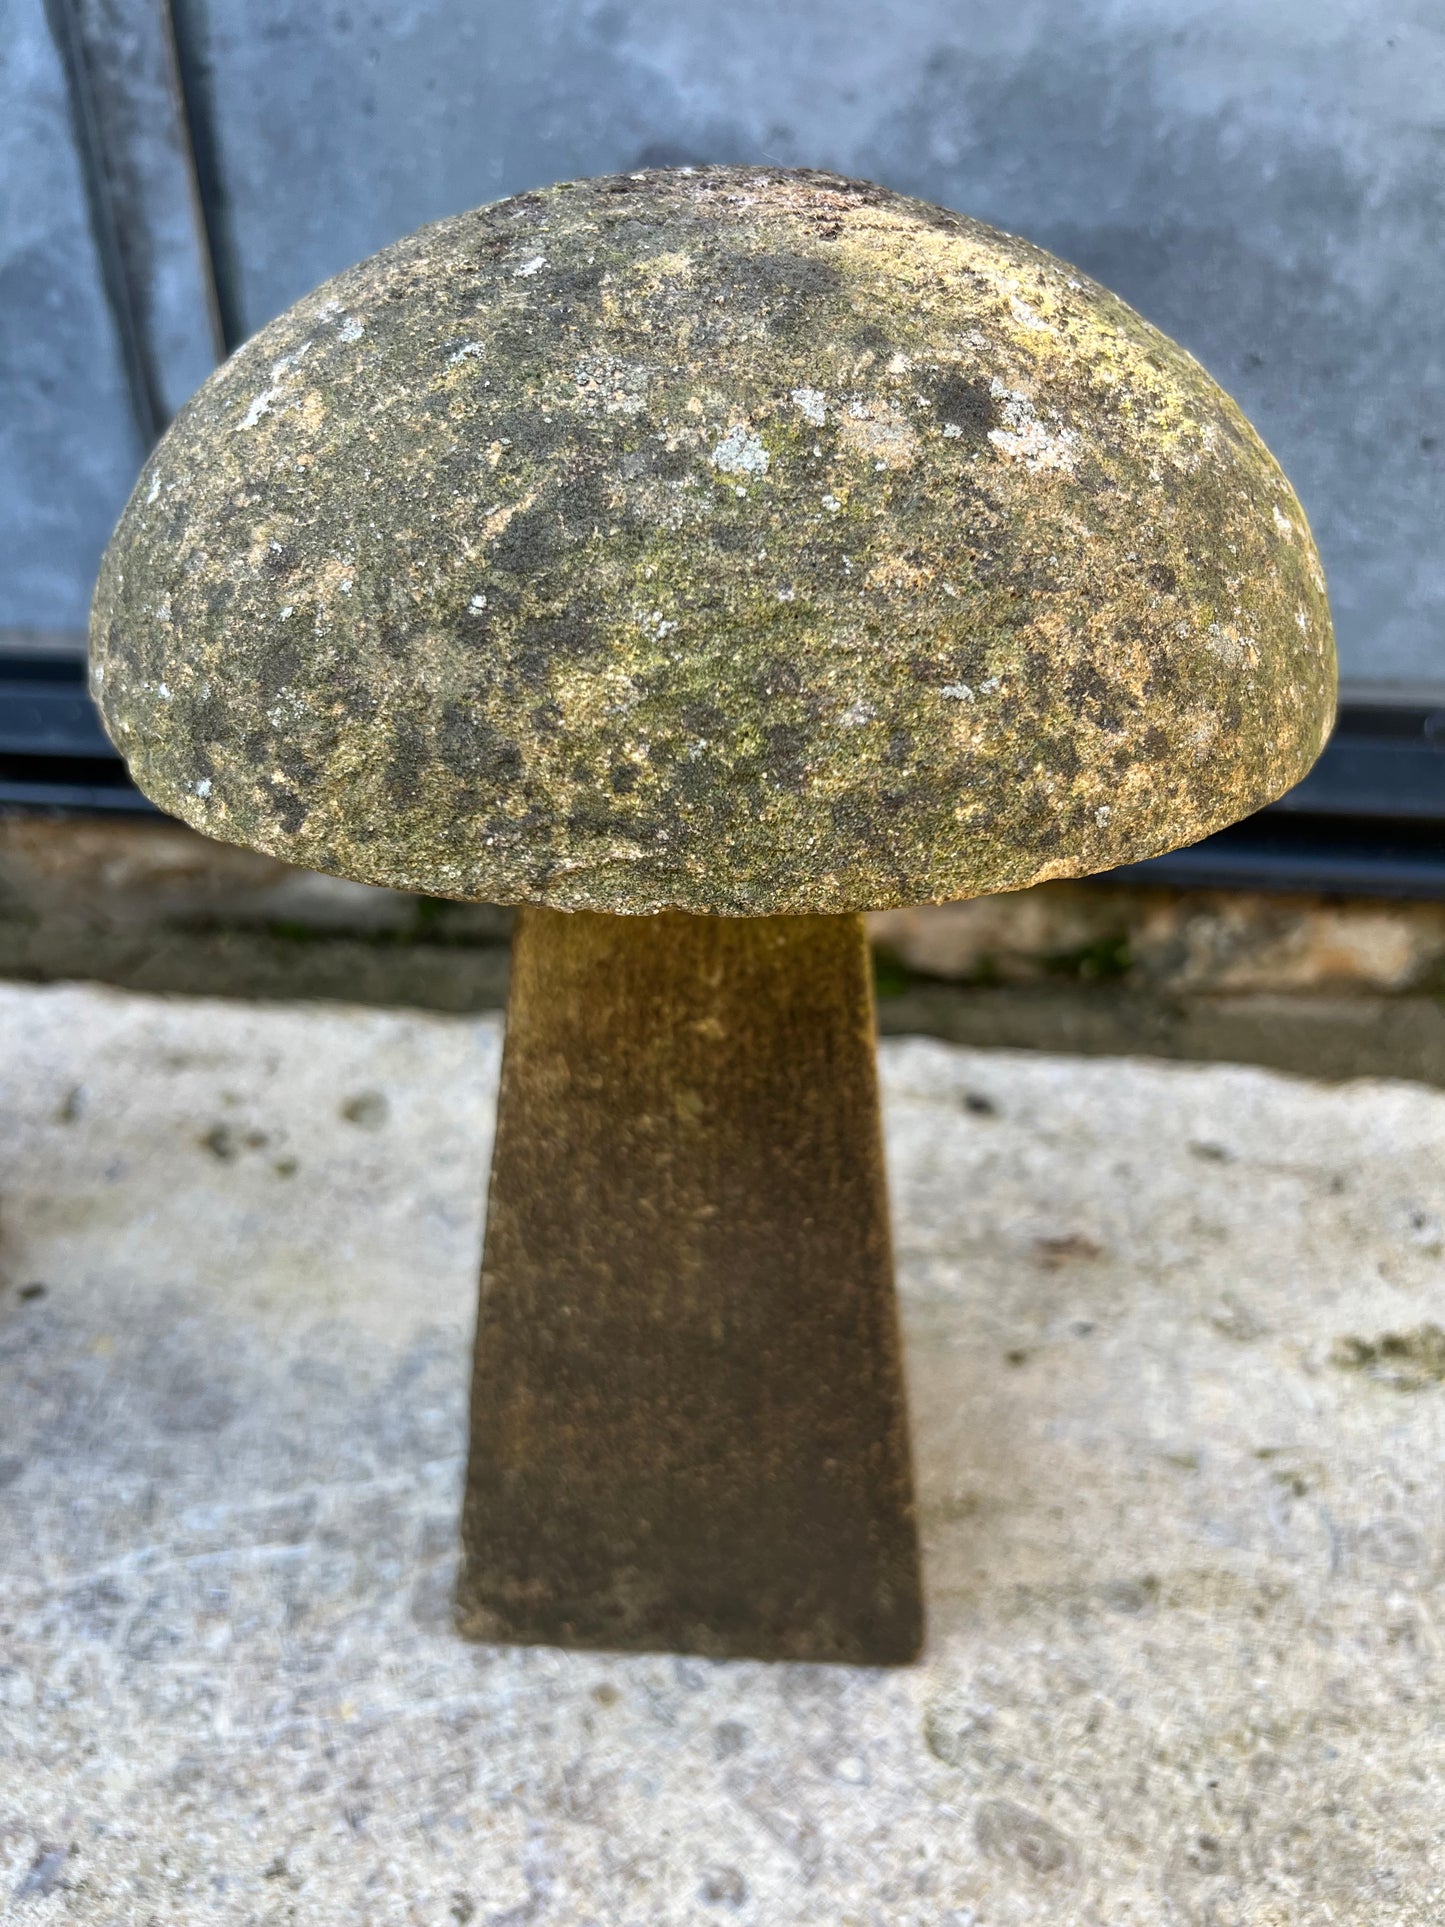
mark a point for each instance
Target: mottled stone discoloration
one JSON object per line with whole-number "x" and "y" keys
{"x": 740, "y": 540}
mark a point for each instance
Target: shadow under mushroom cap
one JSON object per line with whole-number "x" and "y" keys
{"x": 737, "y": 540}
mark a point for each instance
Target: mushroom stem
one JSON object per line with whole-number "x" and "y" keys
{"x": 688, "y": 1422}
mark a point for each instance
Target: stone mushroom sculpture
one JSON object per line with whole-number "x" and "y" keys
{"x": 700, "y": 558}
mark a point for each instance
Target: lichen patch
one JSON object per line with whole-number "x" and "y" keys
{"x": 1025, "y": 438}
{"x": 740, "y": 452}
{"x": 278, "y": 393}
{"x": 879, "y": 431}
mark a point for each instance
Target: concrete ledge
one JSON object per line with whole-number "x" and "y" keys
{"x": 1314, "y": 1036}
{"x": 1335, "y": 989}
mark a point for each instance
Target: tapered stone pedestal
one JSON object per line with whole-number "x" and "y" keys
{"x": 688, "y": 1418}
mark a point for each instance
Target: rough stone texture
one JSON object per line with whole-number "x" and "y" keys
{"x": 1176, "y": 1379}
{"x": 733, "y": 539}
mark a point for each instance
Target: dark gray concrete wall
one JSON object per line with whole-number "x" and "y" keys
{"x": 1265, "y": 179}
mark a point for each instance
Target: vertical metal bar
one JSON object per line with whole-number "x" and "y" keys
{"x": 133, "y": 132}
{"x": 223, "y": 338}
{"x": 120, "y": 290}
{"x": 194, "y": 92}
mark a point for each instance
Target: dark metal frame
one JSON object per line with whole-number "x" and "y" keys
{"x": 54, "y": 755}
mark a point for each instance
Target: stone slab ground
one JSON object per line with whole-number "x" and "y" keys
{"x": 1175, "y": 1348}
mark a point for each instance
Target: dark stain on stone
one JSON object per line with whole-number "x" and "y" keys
{"x": 1130, "y": 1596}
{"x": 209, "y": 716}
{"x": 194, "y": 1401}
{"x": 871, "y": 339}
{"x": 526, "y": 430}
{"x": 672, "y": 464}
{"x": 723, "y": 1887}
{"x": 737, "y": 536}
{"x": 289, "y": 809}
{"x": 574, "y": 285}
{"x": 278, "y": 668}
{"x": 591, "y": 817}
{"x": 547, "y": 642}
{"x": 531, "y": 542}
{"x": 1408, "y": 1361}
{"x": 1062, "y": 756}
{"x": 784, "y": 271}
{"x": 1097, "y": 696}
{"x": 693, "y": 785}
{"x": 701, "y": 717}
{"x": 965, "y": 402}
{"x": 407, "y": 767}
{"x": 1026, "y": 1841}
{"x": 785, "y": 755}
{"x": 222, "y": 1142}
{"x": 394, "y": 638}
{"x": 1074, "y": 1247}
{"x": 351, "y": 695}
{"x": 369, "y": 1109}
{"x": 474, "y": 751}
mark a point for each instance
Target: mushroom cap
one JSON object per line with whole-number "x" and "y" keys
{"x": 742, "y": 540}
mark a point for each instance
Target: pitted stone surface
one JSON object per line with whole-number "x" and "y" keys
{"x": 732, "y": 539}
{"x": 1174, "y": 1343}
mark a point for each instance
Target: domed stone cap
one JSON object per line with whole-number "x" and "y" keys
{"x": 731, "y": 539}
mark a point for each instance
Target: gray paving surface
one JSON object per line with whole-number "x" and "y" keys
{"x": 1175, "y": 1349}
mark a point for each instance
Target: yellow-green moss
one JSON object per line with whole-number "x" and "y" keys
{"x": 732, "y": 539}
